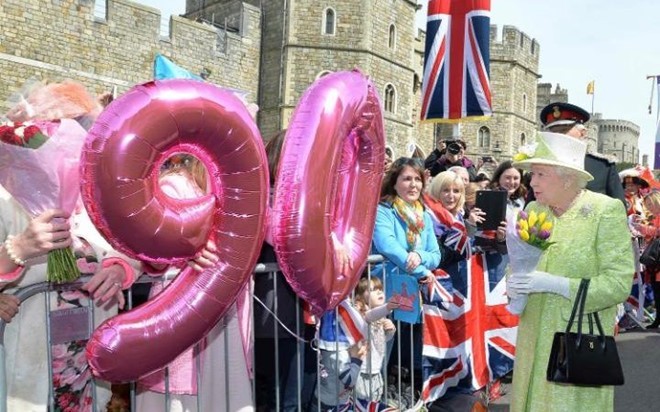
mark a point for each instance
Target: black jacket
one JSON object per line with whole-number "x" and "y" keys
{"x": 606, "y": 179}
{"x": 437, "y": 163}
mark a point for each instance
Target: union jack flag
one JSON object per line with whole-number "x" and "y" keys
{"x": 451, "y": 229}
{"x": 440, "y": 291}
{"x": 362, "y": 405}
{"x": 634, "y": 305}
{"x": 635, "y": 302}
{"x": 342, "y": 327}
{"x": 473, "y": 341}
{"x": 457, "y": 60}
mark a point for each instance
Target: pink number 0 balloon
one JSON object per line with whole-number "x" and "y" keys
{"x": 119, "y": 169}
{"x": 328, "y": 185}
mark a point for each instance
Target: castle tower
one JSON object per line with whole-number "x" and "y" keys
{"x": 305, "y": 39}
{"x": 618, "y": 138}
{"x": 545, "y": 96}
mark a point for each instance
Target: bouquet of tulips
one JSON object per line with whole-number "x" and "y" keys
{"x": 527, "y": 237}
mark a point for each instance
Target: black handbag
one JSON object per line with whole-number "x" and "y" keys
{"x": 581, "y": 358}
{"x": 651, "y": 254}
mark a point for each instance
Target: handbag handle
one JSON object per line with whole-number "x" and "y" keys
{"x": 578, "y": 307}
{"x": 583, "y": 301}
{"x": 601, "y": 336}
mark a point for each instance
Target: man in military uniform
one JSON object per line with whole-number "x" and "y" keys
{"x": 569, "y": 119}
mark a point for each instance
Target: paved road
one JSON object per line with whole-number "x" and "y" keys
{"x": 639, "y": 351}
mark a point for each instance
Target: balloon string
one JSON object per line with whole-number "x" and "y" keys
{"x": 280, "y": 322}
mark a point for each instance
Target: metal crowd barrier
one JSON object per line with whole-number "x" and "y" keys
{"x": 27, "y": 292}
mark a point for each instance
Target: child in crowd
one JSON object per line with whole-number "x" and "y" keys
{"x": 341, "y": 336}
{"x": 370, "y": 301}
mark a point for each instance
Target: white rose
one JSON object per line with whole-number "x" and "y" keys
{"x": 529, "y": 149}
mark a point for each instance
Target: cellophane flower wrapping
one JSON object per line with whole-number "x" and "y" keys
{"x": 47, "y": 178}
{"x": 523, "y": 258}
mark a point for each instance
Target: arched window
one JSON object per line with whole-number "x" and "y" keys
{"x": 390, "y": 98}
{"x": 484, "y": 137}
{"x": 392, "y": 41}
{"x": 329, "y": 22}
{"x": 523, "y": 139}
{"x": 524, "y": 103}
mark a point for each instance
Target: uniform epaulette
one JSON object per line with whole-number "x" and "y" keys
{"x": 602, "y": 156}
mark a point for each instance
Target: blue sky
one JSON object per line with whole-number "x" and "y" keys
{"x": 611, "y": 42}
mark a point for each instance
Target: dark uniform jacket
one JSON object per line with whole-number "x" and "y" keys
{"x": 606, "y": 179}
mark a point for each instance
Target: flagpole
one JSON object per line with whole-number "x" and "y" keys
{"x": 593, "y": 95}
{"x": 656, "y": 147}
{"x": 653, "y": 84}
{"x": 652, "y": 92}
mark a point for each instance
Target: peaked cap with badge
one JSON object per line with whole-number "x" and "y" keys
{"x": 559, "y": 113}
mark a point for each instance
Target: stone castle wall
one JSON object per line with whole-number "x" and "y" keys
{"x": 294, "y": 41}
{"x": 619, "y": 138}
{"x": 224, "y": 38}
{"x": 63, "y": 39}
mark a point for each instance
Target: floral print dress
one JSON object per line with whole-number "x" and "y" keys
{"x": 72, "y": 378}
{"x": 27, "y": 341}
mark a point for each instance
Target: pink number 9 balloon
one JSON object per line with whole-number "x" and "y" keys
{"x": 120, "y": 168}
{"x": 328, "y": 185}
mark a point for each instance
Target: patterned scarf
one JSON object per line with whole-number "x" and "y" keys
{"x": 413, "y": 216}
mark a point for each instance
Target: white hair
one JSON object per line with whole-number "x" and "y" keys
{"x": 460, "y": 171}
{"x": 572, "y": 177}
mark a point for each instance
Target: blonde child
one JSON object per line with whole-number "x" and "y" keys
{"x": 370, "y": 301}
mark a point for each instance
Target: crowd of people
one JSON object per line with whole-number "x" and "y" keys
{"x": 427, "y": 225}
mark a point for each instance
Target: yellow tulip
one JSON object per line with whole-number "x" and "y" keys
{"x": 542, "y": 217}
{"x": 533, "y": 218}
{"x": 519, "y": 157}
{"x": 546, "y": 226}
{"x": 523, "y": 225}
{"x": 524, "y": 235}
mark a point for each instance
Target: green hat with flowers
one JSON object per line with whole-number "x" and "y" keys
{"x": 553, "y": 149}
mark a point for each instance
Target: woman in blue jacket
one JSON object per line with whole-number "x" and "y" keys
{"x": 404, "y": 236}
{"x": 404, "y": 231}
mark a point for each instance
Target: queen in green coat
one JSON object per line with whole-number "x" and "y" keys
{"x": 590, "y": 240}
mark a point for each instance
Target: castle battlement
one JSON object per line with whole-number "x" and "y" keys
{"x": 513, "y": 44}
{"x": 617, "y": 125}
{"x": 64, "y": 39}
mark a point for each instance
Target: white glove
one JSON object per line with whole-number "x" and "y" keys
{"x": 537, "y": 282}
{"x": 517, "y": 305}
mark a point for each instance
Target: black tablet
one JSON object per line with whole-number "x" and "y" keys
{"x": 493, "y": 203}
